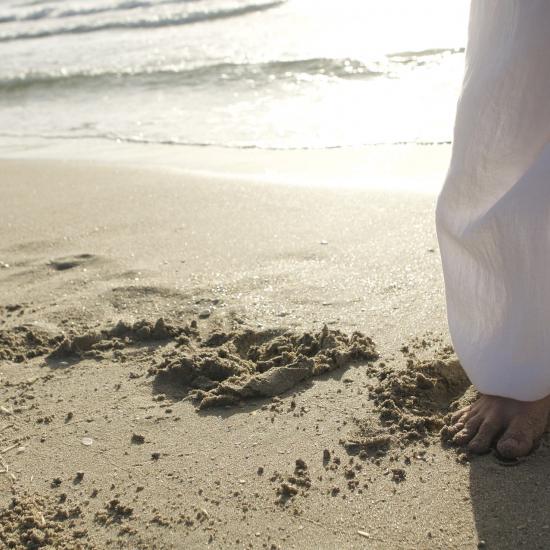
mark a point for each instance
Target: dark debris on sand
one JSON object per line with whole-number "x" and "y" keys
{"x": 298, "y": 482}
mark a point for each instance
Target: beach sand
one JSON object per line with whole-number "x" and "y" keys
{"x": 128, "y": 299}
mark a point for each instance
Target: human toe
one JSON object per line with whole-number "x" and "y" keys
{"x": 459, "y": 414}
{"x": 469, "y": 430}
{"x": 515, "y": 442}
{"x": 484, "y": 437}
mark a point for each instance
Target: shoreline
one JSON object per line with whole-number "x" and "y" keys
{"x": 403, "y": 167}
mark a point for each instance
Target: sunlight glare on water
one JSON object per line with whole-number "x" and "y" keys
{"x": 235, "y": 73}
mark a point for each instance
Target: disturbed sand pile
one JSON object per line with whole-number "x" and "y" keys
{"x": 217, "y": 367}
{"x": 25, "y": 342}
{"x": 31, "y": 521}
{"x": 226, "y": 368}
{"x": 122, "y": 335}
{"x": 413, "y": 403}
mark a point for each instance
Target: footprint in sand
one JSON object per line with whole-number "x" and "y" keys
{"x": 70, "y": 262}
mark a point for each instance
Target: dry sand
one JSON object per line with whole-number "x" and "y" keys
{"x": 200, "y": 363}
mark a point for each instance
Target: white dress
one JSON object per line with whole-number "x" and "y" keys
{"x": 493, "y": 213}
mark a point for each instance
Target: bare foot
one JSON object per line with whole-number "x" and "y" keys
{"x": 516, "y": 424}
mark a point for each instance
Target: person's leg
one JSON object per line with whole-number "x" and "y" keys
{"x": 493, "y": 226}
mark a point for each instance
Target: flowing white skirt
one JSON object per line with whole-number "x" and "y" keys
{"x": 493, "y": 213}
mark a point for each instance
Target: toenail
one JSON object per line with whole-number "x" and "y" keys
{"x": 513, "y": 447}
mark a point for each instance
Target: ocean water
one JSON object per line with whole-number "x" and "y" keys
{"x": 235, "y": 73}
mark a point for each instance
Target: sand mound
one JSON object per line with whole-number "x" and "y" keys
{"x": 223, "y": 368}
{"x": 120, "y": 336}
{"x": 226, "y": 368}
{"x": 23, "y": 342}
{"x": 220, "y": 368}
{"x": 416, "y": 400}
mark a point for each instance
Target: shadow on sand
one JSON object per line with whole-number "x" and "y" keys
{"x": 511, "y": 504}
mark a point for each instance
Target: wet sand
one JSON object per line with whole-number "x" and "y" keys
{"x": 199, "y": 362}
